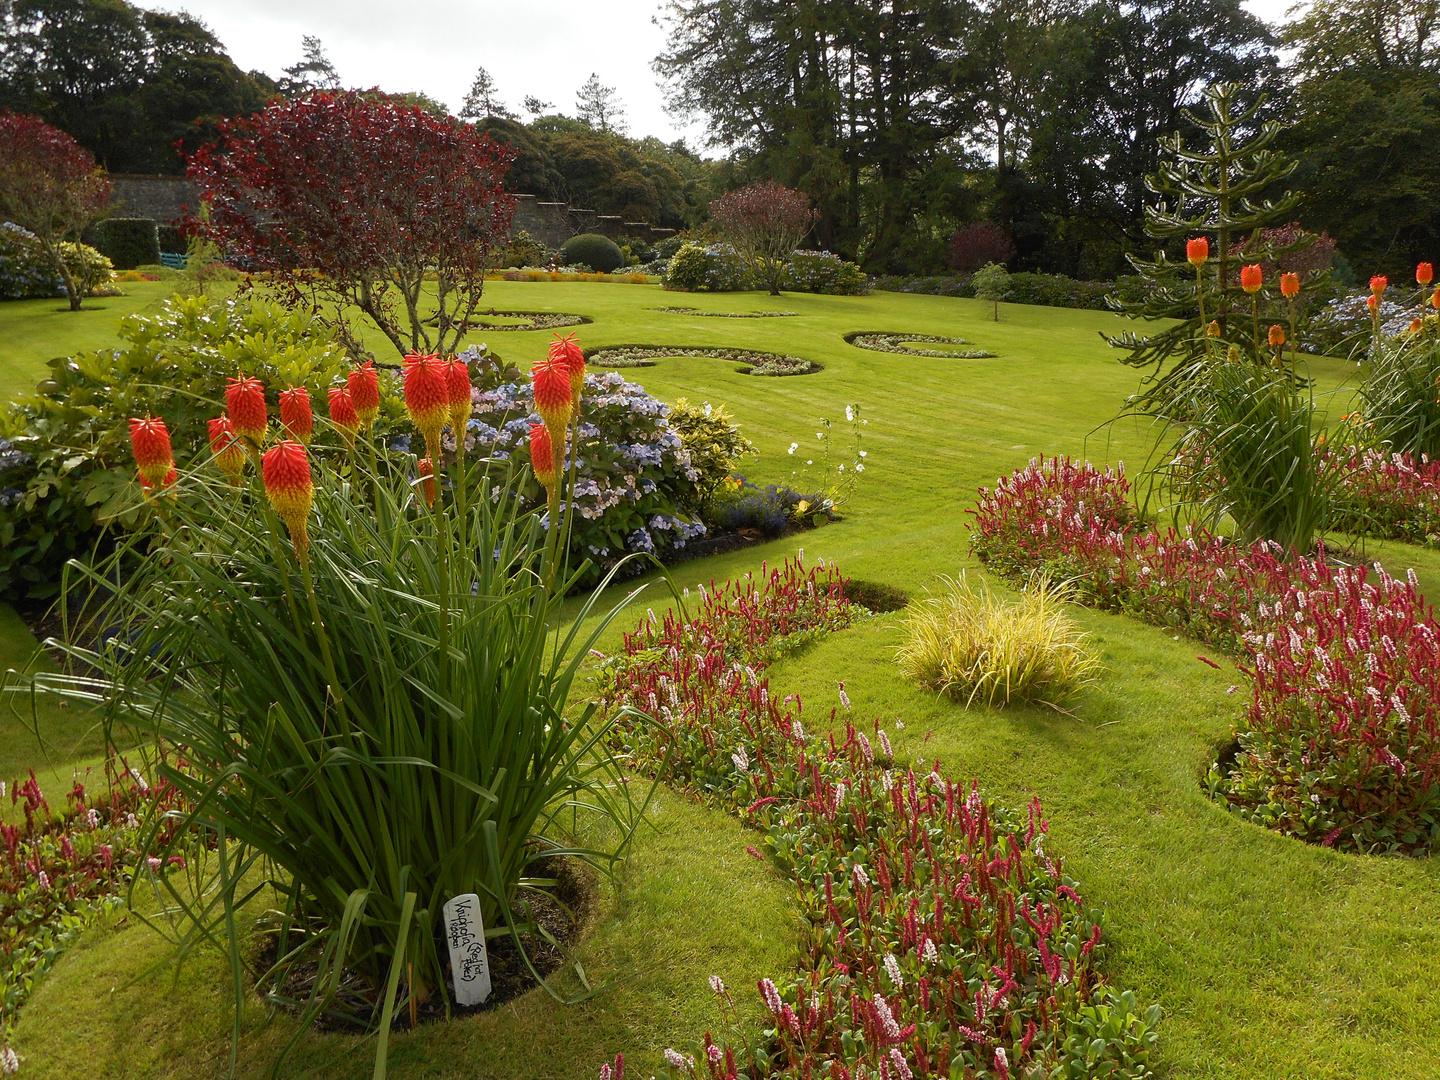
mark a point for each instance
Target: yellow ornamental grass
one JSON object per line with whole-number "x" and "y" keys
{"x": 972, "y": 645}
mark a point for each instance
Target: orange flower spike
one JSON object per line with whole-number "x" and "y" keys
{"x": 1197, "y": 251}
{"x": 1378, "y": 284}
{"x": 1373, "y": 302}
{"x": 1435, "y": 299}
{"x": 426, "y": 468}
{"x": 364, "y": 386}
{"x": 150, "y": 443}
{"x": 550, "y": 379}
{"x": 1416, "y": 325}
{"x": 343, "y": 413}
{"x": 427, "y": 397}
{"x": 285, "y": 469}
{"x": 1289, "y": 286}
{"x": 1252, "y": 278}
{"x": 568, "y": 349}
{"x": 542, "y": 455}
{"x": 1424, "y": 274}
{"x": 295, "y": 414}
{"x": 245, "y": 405}
{"x": 229, "y": 455}
{"x": 1277, "y": 336}
{"x": 457, "y": 383}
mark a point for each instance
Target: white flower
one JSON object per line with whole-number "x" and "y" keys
{"x": 859, "y": 466}
{"x": 929, "y": 954}
{"x": 9, "y": 1062}
{"x": 850, "y": 413}
{"x": 862, "y": 879}
{"x": 793, "y": 447}
{"x": 819, "y": 435}
{"x": 717, "y": 984}
{"x": 678, "y": 1060}
{"x": 741, "y": 760}
{"x": 844, "y": 698}
{"x": 44, "y": 880}
{"x": 864, "y": 453}
{"x": 892, "y": 968}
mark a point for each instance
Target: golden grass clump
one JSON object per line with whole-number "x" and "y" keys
{"x": 972, "y": 645}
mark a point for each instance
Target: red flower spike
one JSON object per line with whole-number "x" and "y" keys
{"x": 1373, "y": 302}
{"x": 457, "y": 383}
{"x": 295, "y": 414}
{"x": 1378, "y": 284}
{"x": 1252, "y": 278}
{"x": 567, "y": 349}
{"x": 550, "y": 379}
{"x": 229, "y": 455}
{"x": 1289, "y": 286}
{"x": 1197, "y": 251}
{"x": 426, "y": 468}
{"x": 343, "y": 413}
{"x": 150, "y": 443}
{"x": 285, "y": 469}
{"x": 542, "y": 455}
{"x": 1277, "y": 336}
{"x": 427, "y": 397}
{"x": 1424, "y": 274}
{"x": 364, "y": 386}
{"x": 245, "y": 405}
{"x": 1435, "y": 299}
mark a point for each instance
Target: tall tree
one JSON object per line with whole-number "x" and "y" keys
{"x": 313, "y": 71}
{"x": 483, "y": 100}
{"x": 599, "y": 106}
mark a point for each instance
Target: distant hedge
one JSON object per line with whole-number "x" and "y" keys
{"x": 1048, "y": 290}
{"x": 128, "y": 242}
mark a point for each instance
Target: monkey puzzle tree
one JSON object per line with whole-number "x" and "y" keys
{"x": 1216, "y": 191}
{"x": 350, "y": 202}
{"x": 50, "y": 185}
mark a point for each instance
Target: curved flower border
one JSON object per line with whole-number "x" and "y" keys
{"x": 754, "y": 362}
{"x": 884, "y": 341}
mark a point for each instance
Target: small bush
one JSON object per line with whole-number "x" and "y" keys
{"x": 129, "y": 242}
{"x": 713, "y": 441}
{"x": 992, "y": 282}
{"x": 823, "y": 272}
{"x": 26, "y": 272}
{"x": 522, "y": 249}
{"x": 599, "y": 253}
{"x": 715, "y": 268}
{"x": 770, "y": 510}
{"x": 968, "y": 644}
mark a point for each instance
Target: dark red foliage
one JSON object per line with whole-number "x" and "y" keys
{"x": 352, "y": 198}
{"x": 765, "y": 223}
{"x": 977, "y": 244}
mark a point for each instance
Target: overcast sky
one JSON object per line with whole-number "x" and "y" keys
{"x": 541, "y": 47}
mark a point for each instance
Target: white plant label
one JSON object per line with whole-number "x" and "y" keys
{"x": 469, "y": 963}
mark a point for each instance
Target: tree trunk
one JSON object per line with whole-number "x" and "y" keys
{"x": 52, "y": 248}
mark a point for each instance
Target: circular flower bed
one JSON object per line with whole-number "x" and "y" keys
{"x": 726, "y": 314}
{"x": 533, "y": 320}
{"x": 901, "y": 343}
{"x": 751, "y": 361}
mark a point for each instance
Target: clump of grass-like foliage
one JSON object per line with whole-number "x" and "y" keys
{"x": 971, "y": 645}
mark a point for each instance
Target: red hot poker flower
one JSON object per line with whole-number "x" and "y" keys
{"x": 550, "y": 379}
{"x": 364, "y": 385}
{"x": 1378, "y": 284}
{"x": 245, "y": 405}
{"x": 1197, "y": 251}
{"x": 150, "y": 443}
{"x": 291, "y": 490}
{"x": 1252, "y": 278}
{"x": 427, "y": 397}
{"x": 1435, "y": 299}
{"x": 1289, "y": 286}
{"x": 457, "y": 383}
{"x": 426, "y": 468}
{"x": 1424, "y": 274}
{"x": 1373, "y": 302}
{"x": 1277, "y": 335}
{"x": 170, "y": 477}
{"x": 343, "y": 413}
{"x": 228, "y": 454}
{"x": 568, "y": 350}
{"x": 295, "y": 414}
{"x": 542, "y": 455}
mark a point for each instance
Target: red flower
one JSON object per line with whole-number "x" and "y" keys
{"x": 1252, "y": 278}
{"x": 1277, "y": 335}
{"x": 1373, "y": 302}
{"x": 1197, "y": 251}
{"x": 1424, "y": 274}
{"x": 343, "y": 413}
{"x": 150, "y": 443}
{"x": 1435, "y": 299}
{"x": 1289, "y": 285}
{"x": 288, "y": 484}
{"x": 245, "y": 405}
{"x": 295, "y": 414}
{"x": 229, "y": 455}
{"x": 457, "y": 383}
{"x": 427, "y": 397}
{"x": 426, "y": 470}
{"x": 1378, "y": 284}
{"x": 551, "y": 382}
{"x": 542, "y": 455}
{"x": 364, "y": 386}
{"x": 568, "y": 350}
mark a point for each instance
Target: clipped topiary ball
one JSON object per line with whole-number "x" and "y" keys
{"x": 594, "y": 250}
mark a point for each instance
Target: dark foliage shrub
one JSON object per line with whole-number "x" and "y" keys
{"x": 595, "y": 251}
{"x": 979, "y": 243}
{"x": 129, "y": 242}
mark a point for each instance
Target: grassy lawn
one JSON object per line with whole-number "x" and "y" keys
{"x": 1271, "y": 959}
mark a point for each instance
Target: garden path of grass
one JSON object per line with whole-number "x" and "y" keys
{"x": 1271, "y": 958}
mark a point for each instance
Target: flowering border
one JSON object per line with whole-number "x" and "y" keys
{"x": 887, "y": 342}
{"x": 757, "y": 362}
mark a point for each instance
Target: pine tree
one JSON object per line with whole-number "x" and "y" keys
{"x": 1216, "y": 192}
{"x": 313, "y": 72}
{"x": 599, "y": 107}
{"x": 534, "y": 106}
{"x": 483, "y": 100}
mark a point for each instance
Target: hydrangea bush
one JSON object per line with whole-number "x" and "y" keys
{"x": 27, "y": 274}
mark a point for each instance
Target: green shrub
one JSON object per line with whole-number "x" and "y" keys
{"x": 686, "y": 272}
{"x": 69, "y": 476}
{"x": 969, "y": 645}
{"x": 26, "y": 272}
{"x": 522, "y": 249}
{"x": 992, "y": 282}
{"x": 129, "y": 242}
{"x": 600, "y": 253}
{"x": 712, "y": 440}
{"x": 713, "y": 268}
{"x": 823, "y": 272}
